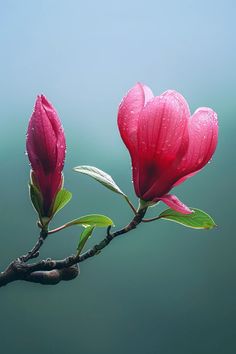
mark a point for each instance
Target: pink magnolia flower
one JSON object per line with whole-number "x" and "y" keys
{"x": 46, "y": 146}
{"x": 166, "y": 144}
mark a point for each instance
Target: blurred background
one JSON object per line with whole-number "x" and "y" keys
{"x": 162, "y": 288}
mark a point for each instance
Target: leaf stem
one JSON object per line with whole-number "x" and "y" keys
{"x": 57, "y": 229}
{"x": 152, "y": 219}
{"x": 131, "y": 205}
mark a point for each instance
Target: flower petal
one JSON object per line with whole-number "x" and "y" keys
{"x": 128, "y": 114}
{"x": 162, "y": 142}
{"x": 203, "y": 136}
{"x": 174, "y": 203}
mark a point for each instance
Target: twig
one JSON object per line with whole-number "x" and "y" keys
{"x": 34, "y": 253}
{"x": 53, "y": 271}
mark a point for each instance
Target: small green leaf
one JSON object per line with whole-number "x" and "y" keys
{"x": 63, "y": 197}
{"x": 36, "y": 199}
{"x": 197, "y": 220}
{"x": 87, "y": 232}
{"x": 100, "y": 176}
{"x": 91, "y": 220}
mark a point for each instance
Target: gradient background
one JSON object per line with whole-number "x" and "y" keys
{"x": 164, "y": 288}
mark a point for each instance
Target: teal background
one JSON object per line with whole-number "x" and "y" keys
{"x": 163, "y": 288}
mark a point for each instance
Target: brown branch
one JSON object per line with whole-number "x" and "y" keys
{"x": 53, "y": 271}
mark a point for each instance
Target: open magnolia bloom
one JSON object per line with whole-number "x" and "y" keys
{"x": 166, "y": 144}
{"x": 46, "y": 146}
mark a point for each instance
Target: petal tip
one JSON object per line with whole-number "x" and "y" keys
{"x": 177, "y": 97}
{"x": 174, "y": 203}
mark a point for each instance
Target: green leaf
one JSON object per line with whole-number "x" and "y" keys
{"x": 100, "y": 176}
{"x": 87, "y": 232}
{"x": 36, "y": 199}
{"x": 63, "y": 197}
{"x": 91, "y": 220}
{"x": 197, "y": 220}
